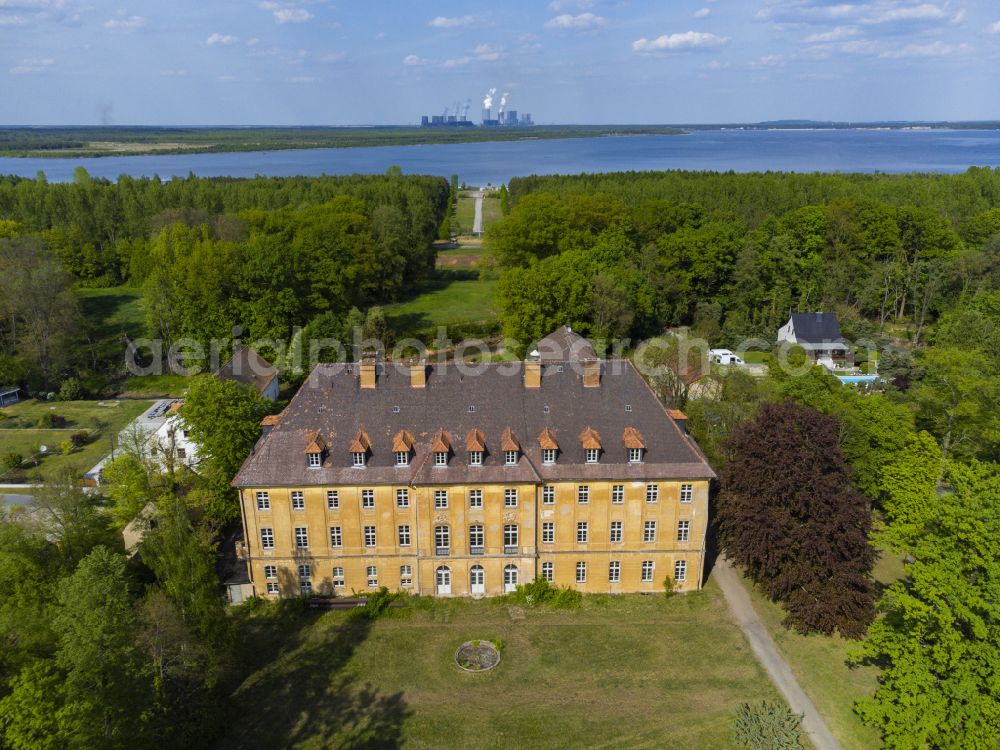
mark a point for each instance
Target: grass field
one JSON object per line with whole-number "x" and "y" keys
{"x": 452, "y": 297}
{"x": 629, "y": 671}
{"x": 113, "y": 310}
{"x": 19, "y": 434}
{"x": 155, "y": 386}
{"x": 820, "y": 665}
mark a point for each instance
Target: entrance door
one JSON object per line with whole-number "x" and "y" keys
{"x": 509, "y": 578}
{"x": 477, "y": 580}
{"x": 443, "y": 580}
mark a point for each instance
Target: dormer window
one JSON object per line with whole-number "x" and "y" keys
{"x": 358, "y": 459}
{"x": 510, "y": 458}
{"x": 548, "y": 455}
{"x": 510, "y": 446}
{"x": 315, "y": 460}
{"x": 359, "y": 448}
{"x": 402, "y": 458}
{"x": 475, "y": 458}
{"x": 315, "y": 450}
{"x": 635, "y": 455}
{"x": 440, "y": 458}
{"x": 592, "y": 454}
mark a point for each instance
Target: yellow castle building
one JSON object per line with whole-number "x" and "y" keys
{"x": 459, "y": 479}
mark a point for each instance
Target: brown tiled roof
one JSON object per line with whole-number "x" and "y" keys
{"x": 361, "y": 442}
{"x": 547, "y": 440}
{"x": 476, "y": 441}
{"x": 176, "y": 407}
{"x": 402, "y": 442}
{"x": 316, "y": 444}
{"x": 509, "y": 441}
{"x": 332, "y": 401}
{"x": 590, "y": 438}
{"x": 271, "y": 420}
{"x": 633, "y": 438}
{"x": 563, "y": 345}
{"x": 248, "y": 367}
{"x": 676, "y": 414}
{"x": 441, "y": 442}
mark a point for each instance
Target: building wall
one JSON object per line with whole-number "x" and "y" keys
{"x": 529, "y": 514}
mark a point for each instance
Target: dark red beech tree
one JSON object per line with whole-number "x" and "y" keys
{"x": 789, "y": 514}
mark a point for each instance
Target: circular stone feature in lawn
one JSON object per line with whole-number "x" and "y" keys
{"x": 477, "y": 656}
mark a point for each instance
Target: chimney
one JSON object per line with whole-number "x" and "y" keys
{"x": 591, "y": 373}
{"x": 532, "y": 374}
{"x": 367, "y": 370}
{"x": 418, "y": 374}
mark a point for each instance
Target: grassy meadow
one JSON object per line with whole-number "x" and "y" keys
{"x": 658, "y": 673}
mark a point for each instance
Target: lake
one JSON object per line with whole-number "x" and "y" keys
{"x": 495, "y": 163}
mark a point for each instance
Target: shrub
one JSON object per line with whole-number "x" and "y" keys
{"x": 566, "y": 598}
{"x": 70, "y": 390}
{"x": 79, "y": 439}
{"x": 379, "y": 602}
{"x": 49, "y": 421}
{"x": 669, "y": 586}
{"x": 12, "y": 460}
{"x": 66, "y": 447}
{"x": 766, "y": 726}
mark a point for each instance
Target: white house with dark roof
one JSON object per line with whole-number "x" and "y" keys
{"x": 818, "y": 333}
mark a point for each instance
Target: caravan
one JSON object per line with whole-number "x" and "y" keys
{"x": 725, "y": 357}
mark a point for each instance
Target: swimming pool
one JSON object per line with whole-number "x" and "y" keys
{"x": 855, "y": 379}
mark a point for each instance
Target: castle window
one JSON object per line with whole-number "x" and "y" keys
{"x": 442, "y": 539}
{"x": 583, "y": 494}
{"x": 367, "y": 499}
{"x": 683, "y": 531}
{"x": 267, "y": 538}
{"x": 475, "y": 458}
{"x": 581, "y": 572}
{"x": 680, "y": 571}
{"x": 652, "y": 493}
{"x": 372, "y": 572}
{"x": 592, "y": 454}
{"x": 510, "y": 458}
{"x": 404, "y": 536}
{"x": 616, "y": 532}
{"x": 402, "y": 458}
{"x": 272, "y": 588}
{"x": 270, "y": 571}
{"x": 315, "y": 460}
{"x": 548, "y": 572}
{"x": 581, "y": 532}
{"x": 369, "y": 536}
{"x": 440, "y": 498}
{"x": 475, "y": 498}
{"x": 358, "y": 459}
{"x": 687, "y": 493}
{"x": 548, "y": 455}
{"x": 476, "y": 539}
{"x": 510, "y": 538}
{"x": 614, "y": 571}
{"x": 440, "y": 458}
{"x": 618, "y": 494}
{"x": 402, "y": 498}
{"x": 338, "y": 577}
{"x": 332, "y": 500}
{"x": 510, "y": 497}
{"x": 548, "y": 495}
{"x": 298, "y": 500}
{"x": 263, "y": 501}
{"x": 649, "y": 531}
{"x": 548, "y": 532}
{"x": 336, "y": 537}
{"x": 405, "y": 575}
{"x": 635, "y": 455}
{"x": 647, "y": 571}
{"x": 301, "y": 537}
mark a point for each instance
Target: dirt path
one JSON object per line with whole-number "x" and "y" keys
{"x": 766, "y": 652}
{"x": 477, "y": 224}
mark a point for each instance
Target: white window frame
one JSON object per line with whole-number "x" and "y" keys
{"x": 440, "y": 458}
{"x": 548, "y": 532}
{"x": 475, "y": 498}
{"x": 273, "y": 588}
{"x": 616, "y": 532}
{"x": 315, "y": 460}
{"x": 652, "y": 493}
{"x": 583, "y": 494}
{"x": 371, "y": 573}
{"x": 510, "y": 497}
{"x": 370, "y": 537}
{"x": 582, "y": 532}
{"x": 263, "y": 501}
{"x": 406, "y": 575}
{"x": 680, "y": 571}
{"x": 298, "y": 500}
{"x": 404, "y": 535}
{"x": 368, "y": 499}
{"x": 548, "y": 571}
{"x": 510, "y": 535}
{"x": 683, "y": 530}
{"x": 477, "y": 535}
{"x": 301, "y": 537}
{"x": 271, "y": 572}
{"x": 338, "y": 577}
{"x": 305, "y": 571}
{"x": 548, "y": 495}
{"x": 266, "y": 537}
{"x": 548, "y": 456}
{"x": 687, "y": 493}
{"x": 402, "y": 497}
{"x": 358, "y": 460}
{"x": 442, "y": 536}
{"x": 510, "y": 458}
{"x": 617, "y": 494}
{"x": 332, "y": 500}
{"x": 614, "y": 572}
{"x": 648, "y": 568}
{"x": 402, "y": 458}
{"x": 336, "y": 536}
{"x": 635, "y": 455}
{"x": 475, "y": 458}
{"x": 649, "y": 532}
{"x": 440, "y": 498}
{"x": 593, "y": 455}
{"x": 581, "y": 572}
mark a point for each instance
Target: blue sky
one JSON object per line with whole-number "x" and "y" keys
{"x": 338, "y": 62}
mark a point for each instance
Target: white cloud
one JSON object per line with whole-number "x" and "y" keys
{"x": 582, "y": 22}
{"x": 703, "y": 13}
{"x": 284, "y": 13}
{"x": 559, "y": 5}
{"x": 252, "y": 42}
{"x": 414, "y": 60}
{"x": 456, "y": 62}
{"x": 33, "y": 65}
{"x": 223, "y": 40}
{"x": 125, "y": 23}
{"x": 870, "y": 12}
{"x": 13, "y": 21}
{"x": 487, "y": 52}
{"x": 994, "y": 28}
{"x": 932, "y": 49}
{"x": 834, "y": 35}
{"x": 443, "y": 22}
{"x": 681, "y": 41}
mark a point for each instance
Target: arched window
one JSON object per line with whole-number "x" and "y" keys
{"x": 509, "y": 578}
{"x": 442, "y": 580}
{"x": 477, "y": 580}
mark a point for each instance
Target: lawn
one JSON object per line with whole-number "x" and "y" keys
{"x": 819, "y": 664}
{"x": 113, "y": 311}
{"x": 101, "y": 420}
{"x": 155, "y": 386}
{"x": 452, "y": 297}
{"x": 629, "y": 671}
{"x": 465, "y": 214}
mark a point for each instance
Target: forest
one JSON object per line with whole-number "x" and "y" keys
{"x": 208, "y": 255}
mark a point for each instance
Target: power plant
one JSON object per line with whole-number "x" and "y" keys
{"x": 458, "y": 116}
